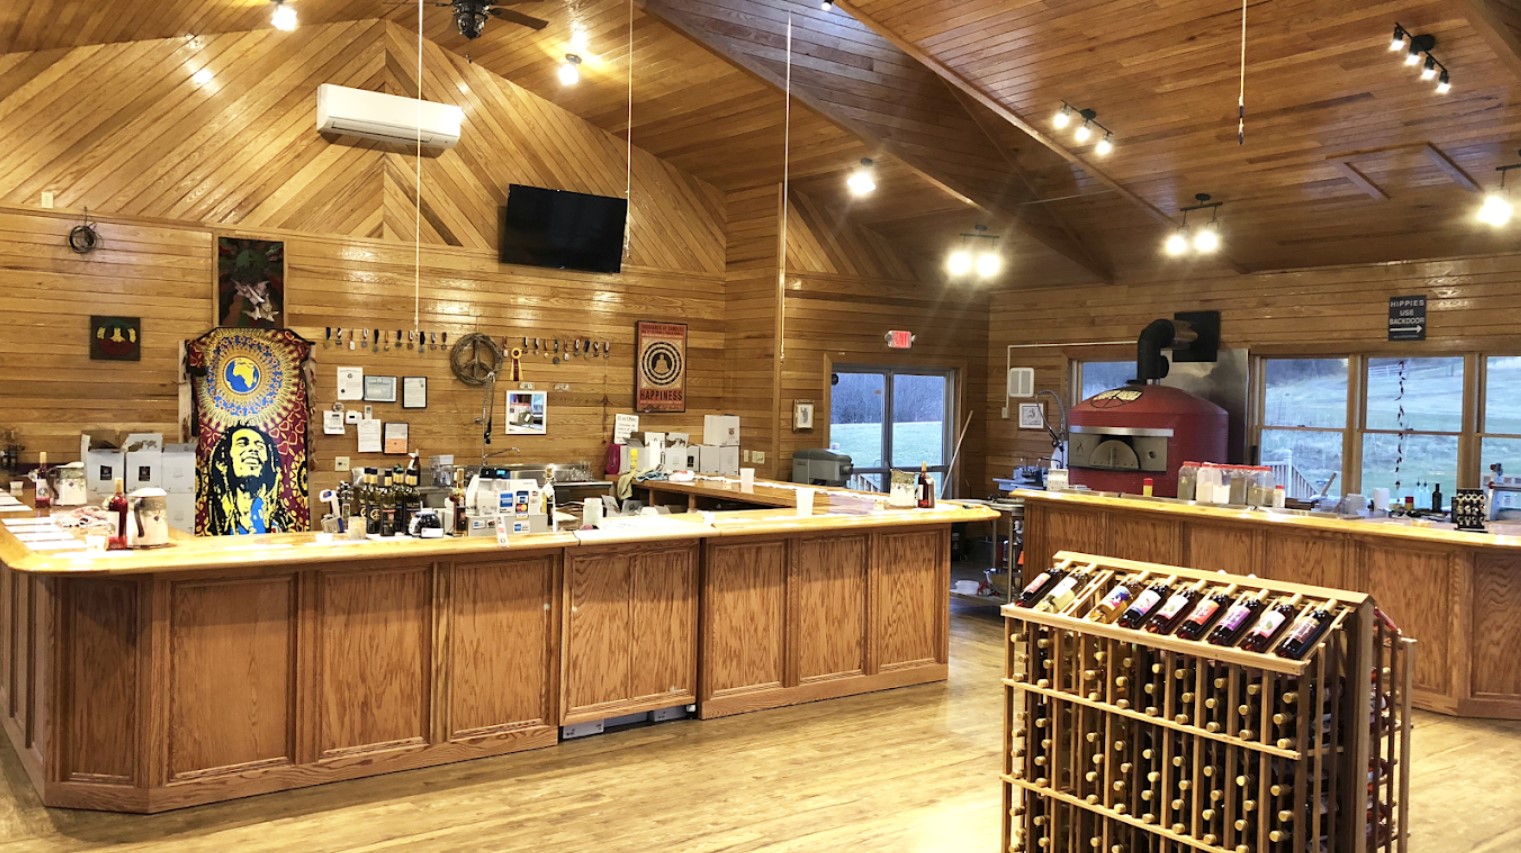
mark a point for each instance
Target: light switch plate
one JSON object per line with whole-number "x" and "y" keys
{"x": 758, "y": 457}
{"x": 47, "y": 200}
{"x": 744, "y": 455}
{"x": 340, "y": 463}
{"x": 525, "y": 386}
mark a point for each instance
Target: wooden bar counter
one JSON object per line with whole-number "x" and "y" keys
{"x": 1457, "y": 594}
{"x": 219, "y": 668}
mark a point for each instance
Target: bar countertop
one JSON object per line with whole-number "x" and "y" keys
{"x": 1507, "y": 536}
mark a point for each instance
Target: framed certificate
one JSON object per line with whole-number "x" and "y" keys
{"x": 414, "y": 392}
{"x": 380, "y": 389}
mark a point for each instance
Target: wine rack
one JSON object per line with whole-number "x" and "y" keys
{"x": 1129, "y": 740}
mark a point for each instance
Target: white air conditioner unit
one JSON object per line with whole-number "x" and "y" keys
{"x": 387, "y": 118}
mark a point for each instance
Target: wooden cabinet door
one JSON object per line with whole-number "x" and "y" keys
{"x": 663, "y": 625}
{"x": 501, "y": 645}
{"x": 829, "y": 614}
{"x": 597, "y": 654}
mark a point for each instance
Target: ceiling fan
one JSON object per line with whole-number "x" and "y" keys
{"x": 470, "y": 15}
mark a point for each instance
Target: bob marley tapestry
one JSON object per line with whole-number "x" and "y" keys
{"x": 250, "y": 396}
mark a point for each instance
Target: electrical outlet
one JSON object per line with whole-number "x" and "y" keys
{"x": 47, "y": 200}
{"x": 744, "y": 455}
{"x": 562, "y": 386}
{"x": 525, "y": 386}
{"x": 758, "y": 457}
{"x": 340, "y": 463}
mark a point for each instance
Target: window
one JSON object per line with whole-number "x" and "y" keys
{"x": 1304, "y": 422}
{"x": 1094, "y": 377}
{"x": 1413, "y": 417}
{"x": 1500, "y": 429}
{"x": 885, "y": 418}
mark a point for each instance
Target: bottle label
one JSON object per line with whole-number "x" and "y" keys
{"x": 1269, "y": 623}
{"x": 1174, "y": 605}
{"x": 1204, "y": 612}
{"x": 1235, "y": 617}
{"x": 1145, "y": 601}
{"x": 1302, "y": 630}
{"x": 1116, "y": 597}
{"x": 1035, "y": 585}
{"x": 1066, "y": 586}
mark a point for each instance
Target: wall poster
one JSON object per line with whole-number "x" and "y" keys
{"x": 251, "y": 415}
{"x": 250, "y": 283}
{"x": 660, "y": 367}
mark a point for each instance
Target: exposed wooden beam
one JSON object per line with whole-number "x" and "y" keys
{"x": 1497, "y": 25}
{"x": 984, "y": 198}
{"x": 1451, "y": 169}
{"x": 1361, "y": 181}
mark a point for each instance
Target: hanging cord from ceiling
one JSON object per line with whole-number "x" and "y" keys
{"x": 628, "y": 132}
{"x": 1241, "y": 96}
{"x": 781, "y": 267}
{"x": 417, "y": 198}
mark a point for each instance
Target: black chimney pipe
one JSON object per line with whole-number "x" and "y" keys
{"x": 1150, "y": 364}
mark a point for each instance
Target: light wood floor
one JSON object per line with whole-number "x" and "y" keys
{"x": 904, "y": 770}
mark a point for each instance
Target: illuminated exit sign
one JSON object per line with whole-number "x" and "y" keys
{"x": 897, "y": 339}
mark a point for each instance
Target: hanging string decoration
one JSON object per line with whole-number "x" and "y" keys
{"x": 1404, "y": 425}
{"x": 1241, "y": 94}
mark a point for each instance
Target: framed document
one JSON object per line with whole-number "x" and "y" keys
{"x": 380, "y": 389}
{"x": 414, "y": 392}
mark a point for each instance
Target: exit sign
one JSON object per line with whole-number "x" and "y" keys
{"x": 898, "y": 339}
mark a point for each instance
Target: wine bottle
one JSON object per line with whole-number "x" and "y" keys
{"x": 1261, "y": 635}
{"x": 370, "y": 501}
{"x": 926, "y": 487}
{"x": 1204, "y": 613}
{"x": 1037, "y": 588}
{"x": 119, "y": 507}
{"x": 1436, "y": 498}
{"x": 1112, "y": 604}
{"x": 1306, "y": 632}
{"x": 1063, "y": 593}
{"x": 457, "y": 495}
{"x": 1175, "y": 608}
{"x": 44, "y": 499}
{"x": 1146, "y": 603}
{"x": 1236, "y": 619}
{"x": 387, "y": 506}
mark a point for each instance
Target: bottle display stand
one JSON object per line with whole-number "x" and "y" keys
{"x": 1132, "y": 739}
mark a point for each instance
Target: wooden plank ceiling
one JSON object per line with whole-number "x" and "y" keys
{"x": 1348, "y": 158}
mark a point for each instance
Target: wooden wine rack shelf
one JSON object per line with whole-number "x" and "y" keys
{"x": 1127, "y": 741}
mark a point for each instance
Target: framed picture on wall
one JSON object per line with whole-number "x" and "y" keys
{"x": 116, "y": 338}
{"x": 1032, "y": 416}
{"x": 250, "y": 283}
{"x": 379, "y": 389}
{"x": 660, "y": 367}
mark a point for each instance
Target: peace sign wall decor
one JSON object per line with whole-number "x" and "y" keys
{"x": 660, "y": 367}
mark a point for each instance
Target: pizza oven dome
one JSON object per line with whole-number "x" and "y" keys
{"x": 1122, "y": 436}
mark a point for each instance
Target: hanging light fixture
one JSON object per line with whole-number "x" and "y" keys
{"x": 1399, "y": 38}
{"x": 1104, "y": 145}
{"x": 1206, "y": 240}
{"x": 862, "y": 181}
{"x": 570, "y": 70}
{"x": 1416, "y": 47}
{"x": 1063, "y": 117}
{"x": 284, "y": 17}
{"x": 1444, "y": 83}
{"x": 1090, "y": 127}
{"x": 975, "y": 257}
{"x": 1497, "y": 208}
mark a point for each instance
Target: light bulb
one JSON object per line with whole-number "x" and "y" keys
{"x": 1104, "y": 146}
{"x": 989, "y": 265}
{"x": 570, "y": 71}
{"x": 1398, "y": 42}
{"x": 202, "y": 77}
{"x": 284, "y": 17}
{"x": 1062, "y": 118}
{"x": 1444, "y": 85}
{"x": 579, "y": 40}
{"x": 1413, "y": 56}
{"x": 959, "y": 263}
{"x": 1083, "y": 132}
{"x": 861, "y": 182}
{"x": 1429, "y": 72}
{"x": 827, "y": 5}
{"x": 1177, "y": 244}
{"x": 1207, "y": 240}
{"x": 1496, "y": 210}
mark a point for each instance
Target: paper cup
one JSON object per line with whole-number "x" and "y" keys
{"x": 804, "y": 502}
{"x": 747, "y": 478}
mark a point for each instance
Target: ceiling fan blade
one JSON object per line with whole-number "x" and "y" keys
{"x": 528, "y": 21}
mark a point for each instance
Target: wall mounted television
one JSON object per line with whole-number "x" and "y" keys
{"x": 563, "y": 230}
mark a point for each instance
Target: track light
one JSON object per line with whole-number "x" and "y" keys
{"x": 1430, "y": 71}
{"x": 1419, "y": 46}
{"x": 1104, "y": 145}
{"x": 1062, "y": 118}
{"x": 1399, "y": 38}
{"x": 1083, "y": 132}
{"x": 1444, "y": 84}
{"x": 570, "y": 70}
{"x": 1068, "y": 115}
{"x": 1412, "y": 56}
{"x": 1205, "y": 241}
{"x": 966, "y": 259}
{"x": 827, "y": 5}
{"x": 862, "y": 181}
{"x": 1497, "y": 208}
{"x": 284, "y": 17}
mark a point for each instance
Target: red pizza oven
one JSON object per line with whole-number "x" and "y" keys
{"x": 1122, "y": 436}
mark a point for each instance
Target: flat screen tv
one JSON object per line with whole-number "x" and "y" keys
{"x": 563, "y": 230}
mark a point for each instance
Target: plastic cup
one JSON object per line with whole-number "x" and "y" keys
{"x": 805, "y": 502}
{"x": 747, "y": 478}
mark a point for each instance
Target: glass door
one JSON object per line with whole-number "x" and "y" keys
{"x": 887, "y": 418}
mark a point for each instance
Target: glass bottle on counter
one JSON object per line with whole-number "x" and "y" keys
{"x": 1204, "y": 613}
{"x": 1436, "y": 498}
{"x": 1175, "y": 608}
{"x": 386, "y": 498}
{"x": 44, "y": 491}
{"x": 119, "y": 507}
{"x": 1237, "y": 619}
{"x": 1306, "y": 631}
{"x": 457, "y": 495}
{"x": 926, "y": 487}
{"x": 1262, "y": 634}
{"x": 369, "y": 501}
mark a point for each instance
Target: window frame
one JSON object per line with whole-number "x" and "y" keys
{"x": 1481, "y": 426}
{"x": 951, "y": 376}
{"x": 1257, "y": 408}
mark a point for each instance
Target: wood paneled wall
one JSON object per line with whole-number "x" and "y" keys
{"x": 1473, "y": 305}
{"x": 169, "y": 168}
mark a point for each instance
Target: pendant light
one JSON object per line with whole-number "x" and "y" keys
{"x": 1206, "y": 240}
{"x": 284, "y": 17}
{"x": 862, "y": 181}
{"x": 1497, "y": 209}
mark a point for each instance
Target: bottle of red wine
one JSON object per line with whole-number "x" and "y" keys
{"x": 1175, "y": 608}
{"x": 926, "y": 488}
{"x": 1267, "y": 627}
{"x": 1306, "y": 631}
{"x": 1146, "y": 603}
{"x": 1236, "y": 620}
{"x": 1204, "y": 613}
{"x": 1037, "y": 588}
